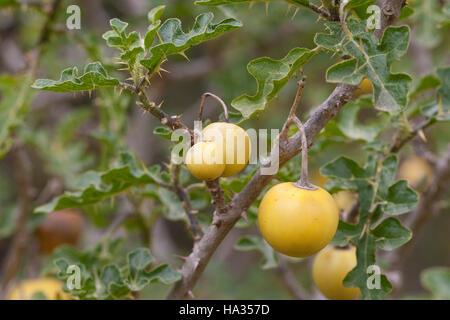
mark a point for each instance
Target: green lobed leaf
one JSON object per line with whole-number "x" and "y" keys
{"x": 271, "y": 76}
{"x": 139, "y": 277}
{"x": 425, "y": 83}
{"x": 359, "y": 276}
{"x": 175, "y": 41}
{"x": 371, "y": 59}
{"x": 350, "y": 126}
{"x": 248, "y": 243}
{"x": 93, "y": 77}
{"x": 94, "y": 187}
{"x": 406, "y": 12}
{"x": 444, "y": 92}
{"x": 437, "y": 280}
{"x": 345, "y": 233}
{"x": 387, "y": 175}
{"x": 391, "y": 234}
{"x": 352, "y": 4}
{"x": 400, "y": 198}
{"x": 342, "y": 167}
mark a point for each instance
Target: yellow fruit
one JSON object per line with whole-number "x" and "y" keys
{"x": 235, "y": 143}
{"x": 51, "y": 288}
{"x": 364, "y": 88}
{"x": 204, "y": 161}
{"x": 297, "y": 222}
{"x": 417, "y": 172}
{"x": 60, "y": 227}
{"x": 330, "y": 267}
{"x": 345, "y": 200}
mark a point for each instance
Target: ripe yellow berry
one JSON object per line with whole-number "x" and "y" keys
{"x": 51, "y": 288}
{"x": 235, "y": 143}
{"x": 330, "y": 267}
{"x": 417, "y": 172}
{"x": 204, "y": 161}
{"x": 364, "y": 88}
{"x": 345, "y": 199}
{"x": 297, "y": 222}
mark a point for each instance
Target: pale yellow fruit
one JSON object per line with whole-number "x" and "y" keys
{"x": 364, "y": 88}
{"x": 330, "y": 267}
{"x": 345, "y": 200}
{"x": 51, "y": 288}
{"x": 297, "y": 222}
{"x": 235, "y": 143}
{"x": 204, "y": 161}
{"x": 417, "y": 172}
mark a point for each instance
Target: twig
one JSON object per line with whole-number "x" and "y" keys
{"x": 222, "y": 224}
{"x": 400, "y": 141}
{"x": 217, "y": 194}
{"x": 23, "y": 179}
{"x": 184, "y": 197}
{"x": 24, "y": 164}
{"x": 319, "y": 10}
{"x": 289, "y": 280}
{"x": 202, "y": 105}
{"x": 173, "y": 122}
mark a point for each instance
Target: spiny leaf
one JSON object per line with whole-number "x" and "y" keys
{"x": 175, "y": 41}
{"x": 371, "y": 59}
{"x": 94, "y": 187}
{"x": 271, "y": 76}
{"x": 93, "y": 77}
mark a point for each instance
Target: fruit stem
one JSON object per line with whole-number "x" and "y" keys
{"x": 202, "y": 104}
{"x": 303, "y": 182}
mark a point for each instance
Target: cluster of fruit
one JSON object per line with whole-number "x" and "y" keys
{"x": 224, "y": 150}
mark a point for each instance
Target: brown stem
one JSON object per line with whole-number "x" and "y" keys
{"x": 289, "y": 280}
{"x": 196, "y": 262}
{"x": 303, "y": 182}
{"x": 184, "y": 198}
{"x": 202, "y": 105}
{"x": 19, "y": 242}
